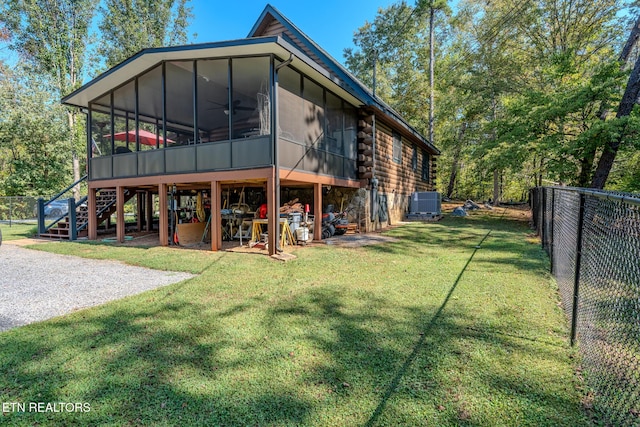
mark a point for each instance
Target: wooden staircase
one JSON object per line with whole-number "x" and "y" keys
{"x": 105, "y": 207}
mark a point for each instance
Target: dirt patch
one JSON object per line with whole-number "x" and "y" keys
{"x": 357, "y": 240}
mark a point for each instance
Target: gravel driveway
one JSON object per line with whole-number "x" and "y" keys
{"x": 36, "y": 285}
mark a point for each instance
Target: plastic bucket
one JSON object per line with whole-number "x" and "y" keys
{"x": 302, "y": 234}
{"x": 294, "y": 221}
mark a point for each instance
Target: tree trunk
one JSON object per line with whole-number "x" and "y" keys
{"x": 631, "y": 41}
{"x": 611, "y": 148}
{"x": 454, "y": 171}
{"x": 74, "y": 156}
{"x": 623, "y": 58}
{"x": 456, "y": 160}
{"x": 586, "y": 163}
{"x": 496, "y": 187}
{"x": 432, "y": 14}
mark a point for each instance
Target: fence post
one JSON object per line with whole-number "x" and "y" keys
{"x": 576, "y": 280}
{"x": 40, "y": 216}
{"x": 546, "y": 219}
{"x": 73, "y": 229}
{"x": 551, "y": 226}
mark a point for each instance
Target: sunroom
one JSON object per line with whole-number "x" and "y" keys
{"x": 202, "y": 118}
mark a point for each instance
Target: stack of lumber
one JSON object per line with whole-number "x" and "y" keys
{"x": 292, "y": 206}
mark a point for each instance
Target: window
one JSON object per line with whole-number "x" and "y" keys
{"x": 425, "y": 166}
{"x": 397, "y": 147}
{"x": 414, "y": 159}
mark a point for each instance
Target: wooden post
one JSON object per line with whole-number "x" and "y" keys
{"x": 164, "y": 215}
{"x": 149, "y": 211}
{"x": 317, "y": 211}
{"x": 120, "y": 213}
{"x": 273, "y": 214}
{"x": 92, "y": 209}
{"x": 139, "y": 210}
{"x": 215, "y": 223}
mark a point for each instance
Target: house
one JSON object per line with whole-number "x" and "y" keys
{"x": 272, "y": 115}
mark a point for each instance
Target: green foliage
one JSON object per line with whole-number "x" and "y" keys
{"x": 50, "y": 36}
{"x": 34, "y": 138}
{"x": 128, "y": 26}
{"x": 38, "y": 137}
{"x": 532, "y": 83}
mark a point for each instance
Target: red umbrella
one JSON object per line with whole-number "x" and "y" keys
{"x": 146, "y": 137}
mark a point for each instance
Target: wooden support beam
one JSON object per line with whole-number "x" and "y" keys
{"x": 149, "y": 211}
{"x": 139, "y": 210}
{"x": 317, "y": 211}
{"x": 273, "y": 214}
{"x": 92, "y": 226}
{"x": 215, "y": 226}
{"x": 120, "y": 231}
{"x": 164, "y": 215}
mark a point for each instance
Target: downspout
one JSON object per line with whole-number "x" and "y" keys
{"x": 274, "y": 135}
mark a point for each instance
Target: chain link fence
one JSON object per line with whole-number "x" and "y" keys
{"x": 18, "y": 210}
{"x": 593, "y": 241}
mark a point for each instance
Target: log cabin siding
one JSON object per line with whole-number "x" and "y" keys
{"x": 397, "y": 181}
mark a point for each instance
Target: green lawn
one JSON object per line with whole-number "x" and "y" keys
{"x": 436, "y": 329}
{"x": 17, "y": 231}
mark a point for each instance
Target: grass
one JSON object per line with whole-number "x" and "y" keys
{"x": 455, "y": 324}
{"x": 17, "y": 231}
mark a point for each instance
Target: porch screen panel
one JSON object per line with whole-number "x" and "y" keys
{"x": 335, "y": 124}
{"x": 179, "y": 93}
{"x": 213, "y": 100}
{"x": 101, "y": 127}
{"x": 150, "y": 105}
{"x": 124, "y": 113}
{"x": 250, "y": 97}
{"x": 350, "y": 141}
{"x": 350, "y": 132}
{"x": 314, "y": 114}
{"x": 290, "y": 106}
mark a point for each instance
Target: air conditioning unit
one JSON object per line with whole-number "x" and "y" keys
{"x": 425, "y": 205}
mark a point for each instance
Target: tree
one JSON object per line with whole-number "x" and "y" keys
{"x": 51, "y": 37}
{"x": 629, "y": 100}
{"x": 129, "y": 26}
{"x": 433, "y": 6}
{"x": 34, "y": 159}
{"x": 397, "y": 43}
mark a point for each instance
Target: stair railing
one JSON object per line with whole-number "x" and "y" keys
{"x": 42, "y": 228}
{"x": 104, "y": 209}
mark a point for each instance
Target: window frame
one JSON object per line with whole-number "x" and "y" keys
{"x": 396, "y": 153}
{"x": 425, "y": 166}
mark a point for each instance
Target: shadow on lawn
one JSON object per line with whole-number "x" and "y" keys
{"x": 140, "y": 364}
{"x": 147, "y": 373}
{"x": 366, "y": 360}
{"x": 460, "y": 234}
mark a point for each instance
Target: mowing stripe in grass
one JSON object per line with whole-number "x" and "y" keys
{"x": 416, "y": 349}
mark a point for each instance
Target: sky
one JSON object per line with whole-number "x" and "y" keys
{"x": 329, "y": 23}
